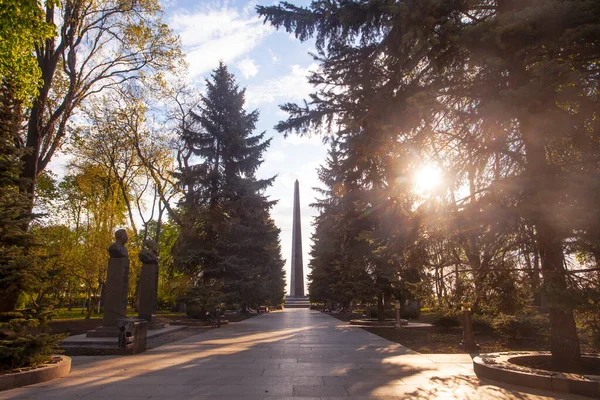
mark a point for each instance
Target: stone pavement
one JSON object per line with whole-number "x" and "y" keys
{"x": 295, "y": 354}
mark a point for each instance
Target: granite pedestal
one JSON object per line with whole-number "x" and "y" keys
{"x": 115, "y": 298}
{"x": 148, "y": 288}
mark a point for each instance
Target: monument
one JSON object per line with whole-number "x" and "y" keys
{"x": 117, "y": 285}
{"x": 119, "y": 334}
{"x": 148, "y": 284}
{"x": 296, "y": 299}
{"x": 297, "y": 284}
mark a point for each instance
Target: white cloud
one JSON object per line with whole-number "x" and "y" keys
{"x": 166, "y": 4}
{"x": 217, "y": 32}
{"x": 291, "y": 87}
{"x": 275, "y": 155}
{"x": 274, "y": 58}
{"x": 248, "y": 68}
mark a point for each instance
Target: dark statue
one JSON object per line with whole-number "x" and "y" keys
{"x": 118, "y": 249}
{"x": 149, "y": 255}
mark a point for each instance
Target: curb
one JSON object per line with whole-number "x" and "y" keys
{"x": 499, "y": 367}
{"x": 43, "y": 373}
{"x": 376, "y": 323}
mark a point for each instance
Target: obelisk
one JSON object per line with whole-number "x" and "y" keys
{"x": 297, "y": 284}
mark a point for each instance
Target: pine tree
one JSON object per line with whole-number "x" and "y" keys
{"x": 326, "y": 240}
{"x": 17, "y": 266}
{"x": 344, "y": 266}
{"x": 228, "y": 234}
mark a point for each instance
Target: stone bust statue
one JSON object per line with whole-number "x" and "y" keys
{"x": 149, "y": 255}
{"x": 118, "y": 249}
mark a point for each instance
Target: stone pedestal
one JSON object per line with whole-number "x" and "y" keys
{"x": 148, "y": 287}
{"x": 115, "y": 298}
{"x": 133, "y": 335}
{"x": 468, "y": 343}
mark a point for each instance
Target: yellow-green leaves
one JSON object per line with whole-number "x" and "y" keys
{"x": 22, "y": 27}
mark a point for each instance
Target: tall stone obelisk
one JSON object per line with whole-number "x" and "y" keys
{"x": 297, "y": 284}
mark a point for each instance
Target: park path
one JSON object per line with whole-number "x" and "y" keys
{"x": 295, "y": 353}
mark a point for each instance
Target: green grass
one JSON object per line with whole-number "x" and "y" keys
{"x": 62, "y": 314}
{"x": 170, "y": 314}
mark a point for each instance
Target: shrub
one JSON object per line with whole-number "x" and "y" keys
{"x": 446, "y": 321}
{"x": 410, "y": 313}
{"x": 588, "y": 326}
{"x": 483, "y": 323}
{"x": 514, "y": 327}
{"x": 371, "y": 312}
{"x": 18, "y": 348}
{"x": 195, "y": 311}
{"x": 28, "y": 350}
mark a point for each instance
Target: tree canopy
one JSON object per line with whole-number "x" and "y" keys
{"x": 500, "y": 95}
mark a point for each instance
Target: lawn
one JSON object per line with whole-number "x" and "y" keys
{"x": 75, "y": 313}
{"x": 74, "y": 323}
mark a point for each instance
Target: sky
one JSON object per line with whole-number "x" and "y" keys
{"x": 273, "y": 67}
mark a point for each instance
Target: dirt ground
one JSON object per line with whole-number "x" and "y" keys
{"x": 432, "y": 340}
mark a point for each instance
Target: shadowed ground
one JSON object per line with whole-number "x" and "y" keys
{"x": 296, "y": 353}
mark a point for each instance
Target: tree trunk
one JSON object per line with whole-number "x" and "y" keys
{"x": 542, "y": 199}
{"x": 564, "y": 343}
{"x": 88, "y": 314}
{"x": 380, "y": 309}
{"x": 159, "y": 223}
{"x": 458, "y": 287}
{"x": 8, "y": 300}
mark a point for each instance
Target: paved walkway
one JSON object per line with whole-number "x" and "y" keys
{"x": 296, "y": 353}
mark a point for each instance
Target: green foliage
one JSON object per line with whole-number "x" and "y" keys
{"x": 483, "y": 323}
{"x": 172, "y": 284}
{"x": 28, "y": 350}
{"x": 447, "y": 320}
{"x": 22, "y": 27}
{"x": 227, "y": 233}
{"x": 524, "y": 325}
{"x": 371, "y": 312}
{"x": 18, "y": 348}
{"x": 204, "y": 297}
{"x": 410, "y": 313}
{"x": 588, "y": 322}
{"x": 349, "y": 261}
{"x": 503, "y": 102}
{"x": 18, "y": 270}
{"x": 90, "y": 205}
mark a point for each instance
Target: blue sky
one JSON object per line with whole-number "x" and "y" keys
{"x": 273, "y": 66}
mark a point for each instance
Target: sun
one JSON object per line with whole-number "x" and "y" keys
{"x": 427, "y": 179}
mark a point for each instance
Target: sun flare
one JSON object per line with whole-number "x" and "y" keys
{"x": 426, "y": 179}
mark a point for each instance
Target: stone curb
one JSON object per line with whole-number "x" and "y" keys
{"x": 498, "y": 367}
{"x": 196, "y": 323}
{"x": 376, "y": 323}
{"x": 43, "y": 373}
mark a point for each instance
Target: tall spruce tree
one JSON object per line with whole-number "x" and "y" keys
{"x": 514, "y": 81}
{"x": 327, "y": 280}
{"x": 228, "y": 235}
{"x": 345, "y": 263}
